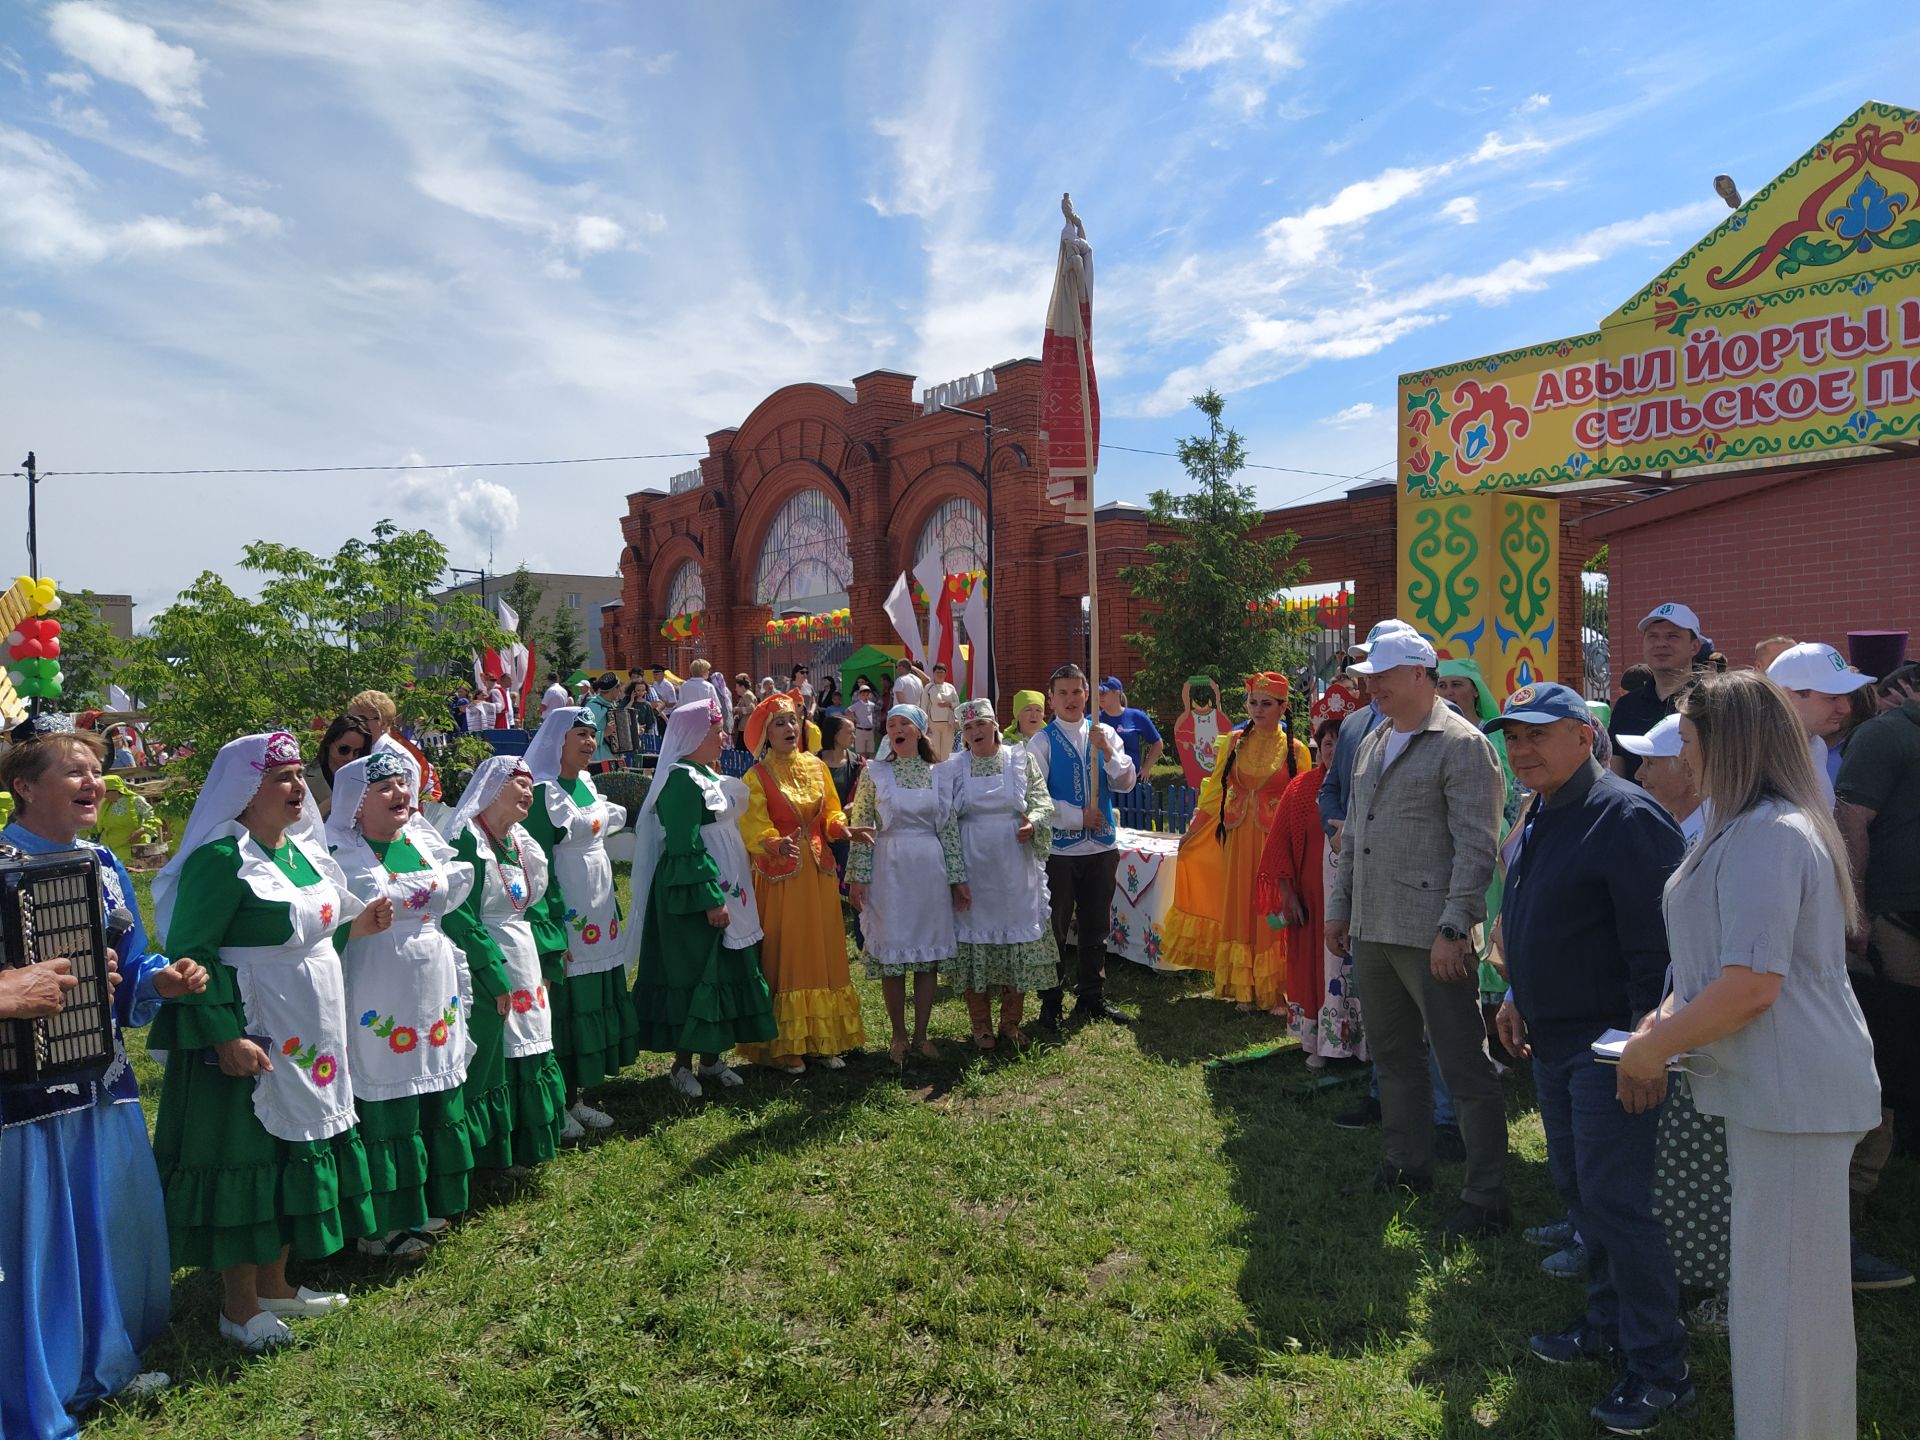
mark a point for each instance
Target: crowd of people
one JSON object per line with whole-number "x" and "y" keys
{"x": 368, "y": 998}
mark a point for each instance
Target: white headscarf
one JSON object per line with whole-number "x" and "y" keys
{"x": 482, "y": 790}
{"x": 687, "y": 726}
{"x": 232, "y": 782}
{"x": 350, "y": 784}
{"x": 543, "y": 755}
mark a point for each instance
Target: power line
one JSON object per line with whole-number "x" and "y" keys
{"x": 1253, "y": 465}
{"x": 349, "y": 469}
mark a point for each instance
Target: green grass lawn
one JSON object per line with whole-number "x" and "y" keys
{"x": 1103, "y": 1238}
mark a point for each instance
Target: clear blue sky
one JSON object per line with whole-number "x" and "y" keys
{"x": 244, "y": 232}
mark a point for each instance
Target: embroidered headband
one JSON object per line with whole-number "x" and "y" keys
{"x": 282, "y": 749}
{"x": 910, "y": 712}
{"x": 978, "y": 710}
{"x": 1269, "y": 682}
{"x": 384, "y": 765}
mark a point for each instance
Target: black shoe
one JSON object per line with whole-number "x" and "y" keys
{"x": 1100, "y": 1008}
{"x": 1386, "y": 1180}
{"x": 1363, "y": 1116}
{"x": 1635, "y": 1406}
{"x": 1472, "y": 1221}
{"x": 1870, "y": 1272}
{"x": 1448, "y": 1145}
{"x": 1050, "y": 1012}
{"x": 1554, "y": 1235}
{"x": 1579, "y": 1341}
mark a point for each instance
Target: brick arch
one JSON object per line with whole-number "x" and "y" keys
{"x": 757, "y": 515}
{"x": 666, "y": 563}
{"x": 926, "y": 493}
{"x": 796, "y": 423}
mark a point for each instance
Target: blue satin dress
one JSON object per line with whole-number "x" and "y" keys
{"x": 83, "y": 1228}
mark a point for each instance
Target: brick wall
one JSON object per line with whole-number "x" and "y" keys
{"x": 1810, "y": 553}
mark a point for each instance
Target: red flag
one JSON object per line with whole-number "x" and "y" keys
{"x": 1069, "y": 396}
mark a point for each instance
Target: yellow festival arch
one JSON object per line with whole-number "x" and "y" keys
{"x": 1792, "y": 329}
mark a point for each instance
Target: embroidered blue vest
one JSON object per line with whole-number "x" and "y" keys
{"x": 1067, "y": 780}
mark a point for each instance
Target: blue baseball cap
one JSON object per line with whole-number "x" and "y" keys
{"x": 1112, "y": 682}
{"x": 1541, "y": 704}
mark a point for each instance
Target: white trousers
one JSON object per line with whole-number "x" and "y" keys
{"x": 1790, "y": 1301}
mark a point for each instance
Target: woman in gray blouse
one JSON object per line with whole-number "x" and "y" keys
{"x": 1757, "y": 916}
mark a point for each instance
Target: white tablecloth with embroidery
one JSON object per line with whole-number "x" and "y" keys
{"x": 1142, "y": 894}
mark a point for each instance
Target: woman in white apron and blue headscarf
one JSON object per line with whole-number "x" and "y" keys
{"x": 586, "y": 945}
{"x": 408, "y": 998}
{"x": 258, "y": 1152}
{"x": 516, "y": 1098}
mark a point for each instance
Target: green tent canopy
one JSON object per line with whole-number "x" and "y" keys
{"x": 870, "y": 661}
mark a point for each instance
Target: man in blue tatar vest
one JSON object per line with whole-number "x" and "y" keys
{"x": 1082, "y": 866}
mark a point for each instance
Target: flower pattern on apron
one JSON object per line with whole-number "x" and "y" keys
{"x": 600, "y": 939}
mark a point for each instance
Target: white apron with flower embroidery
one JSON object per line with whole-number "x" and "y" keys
{"x": 409, "y": 991}
{"x": 728, "y": 797}
{"x": 506, "y": 893}
{"x": 1008, "y": 886}
{"x": 909, "y": 914}
{"x": 295, "y": 997}
{"x": 597, "y": 938}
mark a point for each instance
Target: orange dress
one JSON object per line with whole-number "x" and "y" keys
{"x": 803, "y": 953}
{"x": 1216, "y": 922}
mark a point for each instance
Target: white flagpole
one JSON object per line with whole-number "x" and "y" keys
{"x": 1098, "y": 824}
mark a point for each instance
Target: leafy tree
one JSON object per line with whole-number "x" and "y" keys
{"x": 88, "y": 649}
{"x": 524, "y": 596}
{"x": 216, "y": 664}
{"x": 1206, "y": 588}
{"x": 562, "y": 649}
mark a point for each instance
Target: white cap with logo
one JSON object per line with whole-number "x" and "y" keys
{"x": 1662, "y": 739}
{"x": 1813, "y": 666}
{"x": 1674, "y": 613}
{"x": 1394, "y": 648}
{"x": 1385, "y": 627}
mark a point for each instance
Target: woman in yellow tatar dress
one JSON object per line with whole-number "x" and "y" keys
{"x": 793, "y": 813}
{"x": 1216, "y": 922}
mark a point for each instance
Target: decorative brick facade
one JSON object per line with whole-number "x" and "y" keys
{"x": 886, "y": 469}
{"x": 1809, "y": 551}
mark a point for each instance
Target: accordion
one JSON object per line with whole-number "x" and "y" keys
{"x": 50, "y": 909}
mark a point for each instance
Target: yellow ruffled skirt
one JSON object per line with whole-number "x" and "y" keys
{"x": 804, "y": 957}
{"x": 1214, "y": 923}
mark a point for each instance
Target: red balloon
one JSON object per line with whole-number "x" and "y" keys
{"x": 49, "y": 628}
{"x": 50, "y": 649}
{"x": 32, "y": 650}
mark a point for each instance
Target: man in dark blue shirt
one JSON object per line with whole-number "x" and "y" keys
{"x": 1586, "y": 951}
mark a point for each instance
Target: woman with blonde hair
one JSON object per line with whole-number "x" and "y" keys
{"x": 1757, "y": 916}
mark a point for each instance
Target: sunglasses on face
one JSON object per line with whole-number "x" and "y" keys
{"x": 347, "y": 750}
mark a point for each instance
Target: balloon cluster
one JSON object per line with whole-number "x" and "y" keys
{"x": 684, "y": 626}
{"x": 33, "y": 647}
{"x": 811, "y": 627}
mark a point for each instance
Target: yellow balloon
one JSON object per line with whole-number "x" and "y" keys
{"x": 25, "y": 582}
{"x": 49, "y": 582}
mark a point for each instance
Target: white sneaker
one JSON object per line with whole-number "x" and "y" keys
{"x": 572, "y": 1130}
{"x": 832, "y": 1062}
{"x": 588, "y": 1116}
{"x": 686, "y": 1082}
{"x": 144, "y": 1386}
{"x": 305, "y": 1302}
{"x": 263, "y": 1332}
{"x": 723, "y": 1072}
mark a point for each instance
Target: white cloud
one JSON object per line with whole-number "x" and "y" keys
{"x": 77, "y": 81}
{"x": 1305, "y": 238}
{"x": 1353, "y": 414}
{"x": 1494, "y": 147}
{"x": 1264, "y": 347}
{"x": 593, "y": 234}
{"x": 1246, "y": 47}
{"x": 1462, "y": 209}
{"x": 454, "y": 502}
{"x": 133, "y": 54}
{"x": 1535, "y": 102}
{"x": 935, "y": 145}
{"x": 46, "y": 222}
{"x": 659, "y": 64}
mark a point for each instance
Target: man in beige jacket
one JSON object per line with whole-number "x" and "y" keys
{"x": 1410, "y": 890}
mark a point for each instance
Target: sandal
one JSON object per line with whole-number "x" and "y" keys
{"x": 983, "y": 1039}
{"x": 927, "y": 1050}
{"x": 394, "y": 1245}
{"x": 897, "y": 1052}
{"x": 1016, "y": 1035}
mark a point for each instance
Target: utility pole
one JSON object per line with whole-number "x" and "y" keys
{"x": 33, "y": 517}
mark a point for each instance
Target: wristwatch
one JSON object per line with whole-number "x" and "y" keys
{"x": 1447, "y": 932}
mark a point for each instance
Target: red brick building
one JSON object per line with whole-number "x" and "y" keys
{"x": 1810, "y": 551}
{"x": 823, "y": 495}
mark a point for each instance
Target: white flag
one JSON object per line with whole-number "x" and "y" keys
{"x": 509, "y": 617}
{"x": 906, "y": 624}
{"x": 931, "y": 572}
{"x": 118, "y": 699}
{"x": 980, "y": 675}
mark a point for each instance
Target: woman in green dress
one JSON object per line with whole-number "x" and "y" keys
{"x": 515, "y": 1092}
{"x": 408, "y": 1002}
{"x": 255, "y": 1139}
{"x": 586, "y": 946}
{"x": 699, "y": 990}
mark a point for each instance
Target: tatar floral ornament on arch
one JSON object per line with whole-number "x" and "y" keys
{"x": 1485, "y": 425}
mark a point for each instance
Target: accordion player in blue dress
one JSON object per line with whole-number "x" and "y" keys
{"x": 84, "y": 1276}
